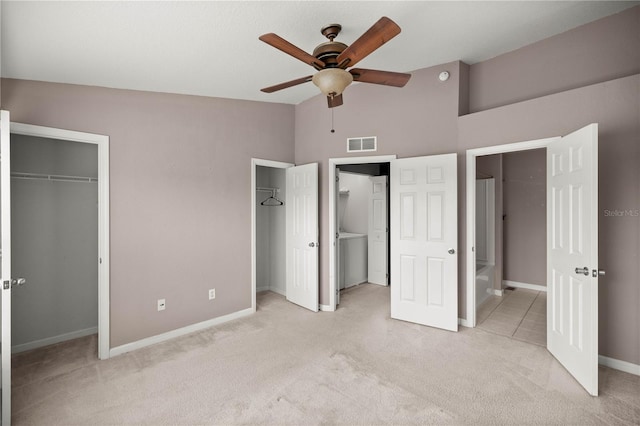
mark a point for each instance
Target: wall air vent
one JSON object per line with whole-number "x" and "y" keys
{"x": 364, "y": 144}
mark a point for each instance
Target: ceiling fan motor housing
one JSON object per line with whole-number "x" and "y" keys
{"x": 328, "y": 51}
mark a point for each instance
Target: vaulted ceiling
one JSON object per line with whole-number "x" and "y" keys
{"x": 211, "y": 48}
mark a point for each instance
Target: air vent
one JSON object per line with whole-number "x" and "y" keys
{"x": 369, "y": 143}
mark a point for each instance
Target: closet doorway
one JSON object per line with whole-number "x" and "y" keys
{"x": 358, "y": 223}
{"x": 268, "y": 223}
{"x": 60, "y": 236}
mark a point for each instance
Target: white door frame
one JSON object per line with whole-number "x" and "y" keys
{"x": 333, "y": 162}
{"x": 471, "y": 212}
{"x": 104, "y": 283}
{"x": 255, "y": 162}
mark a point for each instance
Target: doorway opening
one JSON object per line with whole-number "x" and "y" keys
{"x": 60, "y": 233}
{"x": 510, "y": 244}
{"x": 571, "y": 241}
{"x": 268, "y": 222}
{"x": 358, "y": 224}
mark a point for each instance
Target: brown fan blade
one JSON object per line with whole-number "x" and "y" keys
{"x": 334, "y": 101}
{"x": 286, "y": 84}
{"x": 380, "y": 33}
{"x": 288, "y": 48}
{"x": 386, "y": 78}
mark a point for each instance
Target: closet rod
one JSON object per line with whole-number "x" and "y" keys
{"x": 264, "y": 189}
{"x": 58, "y": 178}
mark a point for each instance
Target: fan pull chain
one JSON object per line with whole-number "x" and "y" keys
{"x": 332, "y": 129}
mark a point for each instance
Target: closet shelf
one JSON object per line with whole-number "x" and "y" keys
{"x": 57, "y": 178}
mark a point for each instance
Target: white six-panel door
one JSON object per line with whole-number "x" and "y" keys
{"x": 424, "y": 240}
{"x": 572, "y": 254}
{"x": 5, "y": 250}
{"x": 302, "y": 236}
{"x": 377, "y": 239}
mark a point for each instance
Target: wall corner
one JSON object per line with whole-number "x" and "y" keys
{"x": 463, "y": 89}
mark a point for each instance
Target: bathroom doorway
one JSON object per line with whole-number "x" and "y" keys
{"x": 510, "y": 244}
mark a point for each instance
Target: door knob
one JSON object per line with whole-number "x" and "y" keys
{"x": 597, "y": 272}
{"x": 584, "y": 271}
{"x": 451, "y": 251}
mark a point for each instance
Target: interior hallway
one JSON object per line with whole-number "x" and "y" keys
{"x": 286, "y": 365}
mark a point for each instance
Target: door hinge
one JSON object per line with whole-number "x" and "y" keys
{"x": 337, "y": 178}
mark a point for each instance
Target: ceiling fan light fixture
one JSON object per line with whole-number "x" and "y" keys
{"x": 332, "y": 81}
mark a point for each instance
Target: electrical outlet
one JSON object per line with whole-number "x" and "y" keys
{"x": 161, "y": 305}
{"x": 212, "y": 294}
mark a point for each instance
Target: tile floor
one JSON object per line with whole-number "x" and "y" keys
{"x": 520, "y": 314}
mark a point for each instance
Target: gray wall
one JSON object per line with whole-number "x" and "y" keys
{"x": 54, "y": 240}
{"x": 180, "y": 193}
{"x": 600, "y": 51}
{"x": 525, "y": 210}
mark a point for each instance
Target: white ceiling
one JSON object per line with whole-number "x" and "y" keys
{"x": 211, "y": 48}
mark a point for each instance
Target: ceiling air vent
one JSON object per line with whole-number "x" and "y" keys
{"x": 369, "y": 143}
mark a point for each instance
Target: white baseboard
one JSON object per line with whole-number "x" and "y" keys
{"x": 463, "y": 322}
{"x": 279, "y": 291}
{"x": 52, "y": 340}
{"x": 625, "y": 366}
{"x": 276, "y": 290}
{"x": 325, "y": 308}
{"x": 516, "y": 284}
{"x": 119, "y": 350}
{"x": 495, "y": 292}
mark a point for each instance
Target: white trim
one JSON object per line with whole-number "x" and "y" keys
{"x": 471, "y": 209}
{"x": 5, "y": 230}
{"x": 333, "y": 162}
{"x": 128, "y": 347}
{"x": 280, "y": 291}
{"x": 516, "y": 284}
{"x": 494, "y": 292}
{"x": 463, "y": 322}
{"x": 325, "y": 308}
{"x": 104, "y": 282}
{"x": 53, "y": 340}
{"x": 617, "y": 364}
{"x": 255, "y": 162}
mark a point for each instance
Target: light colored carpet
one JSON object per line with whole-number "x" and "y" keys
{"x": 285, "y": 365}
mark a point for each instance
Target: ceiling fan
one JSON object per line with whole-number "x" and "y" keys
{"x": 332, "y": 58}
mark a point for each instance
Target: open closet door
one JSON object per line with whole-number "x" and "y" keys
{"x": 5, "y": 250}
{"x": 572, "y": 254}
{"x": 302, "y": 236}
{"x": 424, "y": 237}
{"x": 377, "y": 241}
